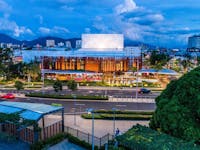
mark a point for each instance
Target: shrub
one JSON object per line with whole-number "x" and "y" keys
{"x": 141, "y": 137}
{"x": 57, "y": 86}
{"x": 19, "y": 85}
{"x": 118, "y": 116}
{"x": 72, "y": 85}
{"x": 89, "y": 97}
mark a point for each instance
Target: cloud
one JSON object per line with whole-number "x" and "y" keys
{"x": 4, "y": 7}
{"x": 56, "y": 30}
{"x": 14, "y": 29}
{"x": 44, "y": 30}
{"x": 127, "y": 6}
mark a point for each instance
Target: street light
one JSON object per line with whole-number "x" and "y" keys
{"x": 42, "y": 66}
{"x": 74, "y": 96}
{"x": 91, "y": 110}
{"x": 114, "y": 110}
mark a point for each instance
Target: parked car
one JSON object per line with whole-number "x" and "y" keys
{"x": 145, "y": 91}
{"x": 8, "y": 96}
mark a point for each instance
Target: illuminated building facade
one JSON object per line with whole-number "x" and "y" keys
{"x": 99, "y": 54}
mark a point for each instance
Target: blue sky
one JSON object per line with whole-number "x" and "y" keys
{"x": 159, "y": 22}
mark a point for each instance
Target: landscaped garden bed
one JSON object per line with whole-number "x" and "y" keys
{"x": 57, "y": 96}
{"x": 119, "y": 115}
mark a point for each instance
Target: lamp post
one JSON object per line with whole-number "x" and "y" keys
{"x": 91, "y": 110}
{"x": 42, "y": 75}
{"x": 114, "y": 110}
{"x": 74, "y": 96}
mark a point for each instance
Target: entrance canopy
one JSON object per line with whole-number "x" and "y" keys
{"x": 30, "y": 111}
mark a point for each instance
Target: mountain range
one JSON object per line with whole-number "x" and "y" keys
{"x": 42, "y": 41}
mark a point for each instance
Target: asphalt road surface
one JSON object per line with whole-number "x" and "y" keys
{"x": 111, "y": 92}
{"x": 81, "y": 106}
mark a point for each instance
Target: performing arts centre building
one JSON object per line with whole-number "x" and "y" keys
{"x": 99, "y": 55}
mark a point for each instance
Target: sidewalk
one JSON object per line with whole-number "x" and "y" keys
{"x": 101, "y": 127}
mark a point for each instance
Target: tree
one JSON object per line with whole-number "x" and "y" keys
{"x": 71, "y": 84}
{"x": 157, "y": 60}
{"x": 178, "y": 108}
{"x": 32, "y": 69}
{"x": 57, "y": 86}
{"x": 19, "y": 85}
{"x": 6, "y": 62}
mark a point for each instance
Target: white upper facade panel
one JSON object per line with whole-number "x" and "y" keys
{"x": 103, "y": 42}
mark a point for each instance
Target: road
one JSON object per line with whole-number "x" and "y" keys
{"x": 81, "y": 106}
{"x": 109, "y": 92}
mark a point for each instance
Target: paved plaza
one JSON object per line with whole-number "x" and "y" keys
{"x": 102, "y": 127}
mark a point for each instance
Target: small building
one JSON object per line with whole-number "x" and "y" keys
{"x": 46, "y": 120}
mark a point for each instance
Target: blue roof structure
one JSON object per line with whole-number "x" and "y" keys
{"x": 147, "y": 71}
{"x": 162, "y": 71}
{"x": 167, "y": 71}
{"x": 31, "y": 111}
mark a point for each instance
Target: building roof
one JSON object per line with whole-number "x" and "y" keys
{"x": 70, "y": 72}
{"x": 29, "y": 55}
{"x": 167, "y": 71}
{"x": 31, "y": 111}
{"x": 162, "y": 71}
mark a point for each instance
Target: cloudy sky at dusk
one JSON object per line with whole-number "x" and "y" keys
{"x": 166, "y": 22}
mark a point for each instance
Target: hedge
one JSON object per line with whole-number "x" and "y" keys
{"x": 125, "y": 112}
{"x": 58, "y": 138}
{"x": 56, "y": 96}
{"x": 141, "y": 137}
{"x": 117, "y": 116}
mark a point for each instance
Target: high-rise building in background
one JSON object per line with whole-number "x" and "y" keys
{"x": 194, "y": 43}
{"x": 68, "y": 44}
{"x": 50, "y": 43}
{"x": 78, "y": 43}
{"x": 61, "y": 44}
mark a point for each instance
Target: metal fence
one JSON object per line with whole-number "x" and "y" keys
{"x": 88, "y": 137}
{"x": 147, "y": 99}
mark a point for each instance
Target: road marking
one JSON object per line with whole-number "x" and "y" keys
{"x": 80, "y": 104}
{"x": 120, "y": 105}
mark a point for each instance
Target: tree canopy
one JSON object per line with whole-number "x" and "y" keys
{"x": 158, "y": 60}
{"x": 57, "y": 86}
{"x": 72, "y": 85}
{"x": 178, "y": 108}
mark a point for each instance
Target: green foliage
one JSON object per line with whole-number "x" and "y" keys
{"x": 72, "y": 85}
{"x": 178, "y": 108}
{"x": 158, "y": 60}
{"x": 6, "y": 63}
{"x": 56, "y": 96}
{"x": 119, "y": 115}
{"x": 58, "y": 138}
{"x": 57, "y": 86}
{"x": 81, "y": 143}
{"x": 49, "y": 142}
{"x": 19, "y": 85}
{"x": 31, "y": 70}
{"x": 144, "y": 138}
{"x": 14, "y": 118}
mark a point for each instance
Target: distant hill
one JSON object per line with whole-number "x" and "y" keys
{"x": 42, "y": 41}
{"x": 7, "y": 39}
